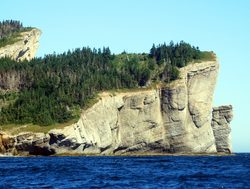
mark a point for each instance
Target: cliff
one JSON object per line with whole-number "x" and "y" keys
{"x": 175, "y": 119}
{"x": 222, "y": 116}
{"x": 25, "y": 47}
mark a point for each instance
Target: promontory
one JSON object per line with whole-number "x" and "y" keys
{"x": 92, "y": 102}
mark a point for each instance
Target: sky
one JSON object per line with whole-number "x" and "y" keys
{"x": 134, "y": 25}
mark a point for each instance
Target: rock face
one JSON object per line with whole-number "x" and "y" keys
{"x": 6, "y": 144}
{"x": 186, "y": 108}
{"x": 116, "y": 124}
{"x": 23, "y": 49}
{"x": 174, "y": 119}
{"x": 222, "y": 116}
{"x": 25, "y": 144}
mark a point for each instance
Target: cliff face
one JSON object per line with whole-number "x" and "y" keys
{"x": 117, "y": 124}
{"x": 222, "y": 116}
{"x": 175, "y": 119}
{"x": 24, "y": 48}
{"x": 187, "y": 106}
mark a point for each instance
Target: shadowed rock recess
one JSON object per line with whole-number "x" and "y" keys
{"x": 178, "y": 118}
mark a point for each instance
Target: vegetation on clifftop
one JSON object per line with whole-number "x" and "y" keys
{"x": 56, "y": 87}
{"x": 10, "y": 32}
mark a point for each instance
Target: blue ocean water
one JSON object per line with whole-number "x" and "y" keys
{"x": 126, "y": 172}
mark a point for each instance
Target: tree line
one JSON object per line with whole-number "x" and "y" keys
{"x": 8, "y": 27}
{"x": 58, "y": 85}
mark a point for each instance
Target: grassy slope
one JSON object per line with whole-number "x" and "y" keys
{"x": 13, "y": 129}
{"x": 13, "y": 38}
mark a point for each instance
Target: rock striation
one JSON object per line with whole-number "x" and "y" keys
{"x": 175, "y": 119}
{"x": 24, "y": 48}
{"x": 222, "y": 116}
{"x": 186, "y": 108}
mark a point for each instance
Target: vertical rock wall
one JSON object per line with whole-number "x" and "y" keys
{"x": 186, "y": 108}
{"x": 175, "y": 119}
{"x": 222, "y": 116}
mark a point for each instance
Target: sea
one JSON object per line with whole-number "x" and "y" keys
{"x": 126, "y": 172}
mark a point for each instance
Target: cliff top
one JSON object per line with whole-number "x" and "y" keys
{"x": 20, "y": 44}
{"x": 59, "y": 85}
{"x": 14, "y": 37}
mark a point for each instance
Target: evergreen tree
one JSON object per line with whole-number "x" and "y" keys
{"x": 51, "y": 88}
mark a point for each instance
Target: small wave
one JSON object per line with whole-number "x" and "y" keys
{"x": 130, "y": 172}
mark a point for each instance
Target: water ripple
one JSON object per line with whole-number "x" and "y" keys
{"x": 126, "y": 172}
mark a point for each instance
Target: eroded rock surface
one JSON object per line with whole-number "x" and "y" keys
{"x": 116, "y": 124}
{"x": 174, "y": 119}
{"x": 222, "y": 116}
{"x": 24, "y": 48}
{"x": 6, "y": 144}
{"x": 26, "y": 144}
{"x": 186, "y": 108}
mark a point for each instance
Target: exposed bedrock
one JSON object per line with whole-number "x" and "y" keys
{"x": 25, "y": 144}
{"x": 174, "y": 119}
{"x": 25, "y": 47}
{"x": 222, "y": 116}
{"x": 186, "y": 108}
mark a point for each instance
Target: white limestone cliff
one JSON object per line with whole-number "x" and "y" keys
{"x": 177, "y": 118}
{"x": 172, "y": 119}
{"x": 222, "y": 116}
{"x": 24, "y": 48}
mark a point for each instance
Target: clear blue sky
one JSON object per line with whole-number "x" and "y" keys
{"x": 134, "y": 25}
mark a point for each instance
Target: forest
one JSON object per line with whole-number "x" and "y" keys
{"x": 55, "y": 88}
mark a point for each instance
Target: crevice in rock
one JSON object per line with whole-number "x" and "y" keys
{"x": 120, "y": 108}
{"x": 21, "y": 53}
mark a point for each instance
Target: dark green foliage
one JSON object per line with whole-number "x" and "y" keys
{"x": 175, "y": 56}
{"x": 8, "y": 27}
{"x": 179, "y": 54}
{"x": 169, "y": 73}
{"x": 54, "y": 86}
